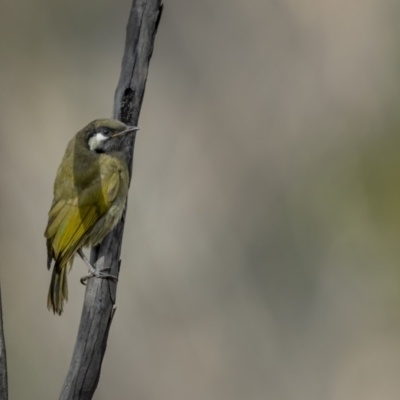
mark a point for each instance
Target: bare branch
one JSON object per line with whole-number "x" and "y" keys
{"x": 98, "y": 308}
{"x": 3, "y": 360}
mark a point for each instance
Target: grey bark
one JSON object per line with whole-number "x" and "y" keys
{"x": 99, "y": 304}
{"x": 3, "y": 359}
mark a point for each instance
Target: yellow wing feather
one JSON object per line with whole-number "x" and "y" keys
{"x": 73, "y": 229}
{"x": 71, "y": 220}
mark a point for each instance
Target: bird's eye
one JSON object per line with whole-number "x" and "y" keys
{"x": 106, "y": 131}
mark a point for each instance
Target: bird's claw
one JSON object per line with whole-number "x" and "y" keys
{"x": 98, "y": 274}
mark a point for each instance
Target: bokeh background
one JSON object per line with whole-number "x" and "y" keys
{"x": 261, "y": 255}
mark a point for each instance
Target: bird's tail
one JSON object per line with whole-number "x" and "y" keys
{"x": 58, "y": 291}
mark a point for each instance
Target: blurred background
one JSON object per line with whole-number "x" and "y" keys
{"x": 261, "y": 255}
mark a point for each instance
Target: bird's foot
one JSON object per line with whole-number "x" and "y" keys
{"x": 98, "y": 274}
{"x": 93, "y": 272}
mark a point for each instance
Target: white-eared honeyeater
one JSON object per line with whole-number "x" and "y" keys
{"x": 90, "y": 192}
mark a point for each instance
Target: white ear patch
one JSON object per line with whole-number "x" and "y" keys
{"x": 96, "y": 140}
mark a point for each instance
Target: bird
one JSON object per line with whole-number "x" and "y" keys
{"x": 89, "y": 196}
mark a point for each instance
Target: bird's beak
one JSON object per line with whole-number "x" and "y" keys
{"x": 127, "y": 130}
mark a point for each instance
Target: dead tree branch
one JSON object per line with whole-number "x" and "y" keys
{"x": 3, "y": 359}
{"x": 98, "y": 308}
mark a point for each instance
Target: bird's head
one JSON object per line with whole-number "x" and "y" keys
{"x": 101, "y": 133}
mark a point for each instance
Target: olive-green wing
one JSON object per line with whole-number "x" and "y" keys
{"x": 71, "y": 220}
